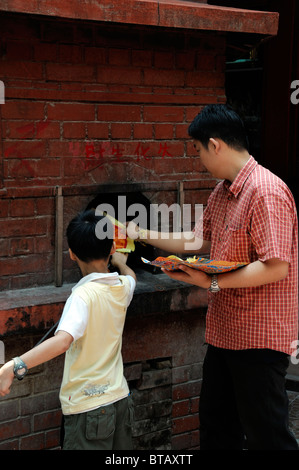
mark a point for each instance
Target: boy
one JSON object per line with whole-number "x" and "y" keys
{"x": 94, "y": 393}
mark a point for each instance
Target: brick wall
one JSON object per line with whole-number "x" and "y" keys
{"x": 89, "y": 103}
{"x": 164, "y": 375}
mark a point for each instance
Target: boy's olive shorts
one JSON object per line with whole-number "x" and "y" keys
{"x": 106, "y": 428}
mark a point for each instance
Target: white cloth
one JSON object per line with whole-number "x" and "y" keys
{"x": 75, "y": 313}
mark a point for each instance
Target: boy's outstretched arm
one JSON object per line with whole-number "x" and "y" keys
{"x": 119, "y": 260}
{"x": 44, "y": 352}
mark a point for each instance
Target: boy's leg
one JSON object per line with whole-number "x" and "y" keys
{"x": 124, "y": 421}
{"x": 105, "y": 428}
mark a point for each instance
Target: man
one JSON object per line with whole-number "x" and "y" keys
{"x": 252, "y": 316}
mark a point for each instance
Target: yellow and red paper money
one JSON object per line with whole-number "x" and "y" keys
{"x": 209, "y": 266}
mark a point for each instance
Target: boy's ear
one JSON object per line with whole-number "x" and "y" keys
{"x": 72, "y": 255}
{"x": 113, "y": 248}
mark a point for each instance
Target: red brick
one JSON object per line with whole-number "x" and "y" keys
{"x": 47, "y": 130}
{"x": 189, "y": 389}
{"x": 22, "y": 109}
{"x": 20, "y": 130}
{"x": 71, "y": 112}
{"x": 164, "y": 60}
{"x": 18, "y": 50}
{"x": 143, "y": 131}
{"x": 181, "y": 408}
{"x": 19, "y": 69}
{"x": 24, "y": 227}
{"x": 164, "y": 77}
{"x": 26, "y": 264}
{"x": 47, "y": 420}
{"x": 163, "y": 114}
{"x": 119, "y": 113}
{"x": 45, "y": 52}
{"x": 121, "y": 131}
{"x": 47, "y": 167}
{"x": 142, "y": 58}
{"x": 4, "y": 207}
{"x": 181, "y": 131}
{"x": 164, "y": 131}
{"x": 67, "y": 54}
{"x": 33, "y": 442}
{"x": 22, "y": 207}
{"x": 119, "y": 56}
{"x": 74, "y": 130}
{"x": 121, "y": 75}
{"x": 205, "y": 79}
{"x": 95, "y": 55}
{"x": 17, "y": 427}
{"x": 185, "y": 424}
{"x": 97, "y": 130}
{"x": 70, "y": 72}
{"x": 205, "y": 61}
{"x": 185, "y": 60}
{"x": 52, "y": 439}
{"x": 4, "y": 247}
{"x": 24, "y": 148}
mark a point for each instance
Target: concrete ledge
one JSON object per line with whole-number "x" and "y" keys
{"x": 163, "y": 13}
{"x": 37, "y": 309}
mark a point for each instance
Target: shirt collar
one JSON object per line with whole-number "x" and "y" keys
{"x": 236, "y": 186}
{"x": 110, "y": 277}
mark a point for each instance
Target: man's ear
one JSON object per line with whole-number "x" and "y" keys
{"x": 216, "y": 144}
{"x": 72, "y": 255}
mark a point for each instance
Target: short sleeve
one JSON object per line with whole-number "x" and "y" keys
{"x": 132, "y": 288}
{"x": 272, "y": 228}
{"x": 74, "y": 317}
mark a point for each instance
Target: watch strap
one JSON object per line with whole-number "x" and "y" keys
{"x": 20, "y": 369}
{"x": 214, "y": 284}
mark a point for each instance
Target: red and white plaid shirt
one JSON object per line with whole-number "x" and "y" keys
{"x": 253, "y": 218}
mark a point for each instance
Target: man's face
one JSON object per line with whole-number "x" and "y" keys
{"x": 207, "y": 157}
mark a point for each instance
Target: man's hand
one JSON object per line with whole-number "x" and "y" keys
{"x": 6, "y": 378}
{"x": 190, "y": 276}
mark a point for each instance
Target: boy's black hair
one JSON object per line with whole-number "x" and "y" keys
{"x": 88, "y": 240}
{"x": 222, "y": 122}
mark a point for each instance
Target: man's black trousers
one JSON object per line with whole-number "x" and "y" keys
{"x": 243, "y": 401}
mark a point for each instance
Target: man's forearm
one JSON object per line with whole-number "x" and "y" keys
{"x": 176, "y": 242}
{"x": 255, "y": 274}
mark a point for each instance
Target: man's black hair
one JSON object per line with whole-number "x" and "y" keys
{"x": 222, "y": 122}
{"x": 88, "y": 241}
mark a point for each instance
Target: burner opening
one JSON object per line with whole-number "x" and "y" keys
{"x": 124, "y": 207}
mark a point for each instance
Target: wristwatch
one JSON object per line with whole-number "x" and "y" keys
{"x": 20, "y": 368}
{"x": 214, "y": 284}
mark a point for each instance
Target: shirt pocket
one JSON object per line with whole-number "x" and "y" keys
{"x": 237, "y": 244}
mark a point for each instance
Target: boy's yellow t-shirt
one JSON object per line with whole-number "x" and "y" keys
{"x": 93, "y": 371}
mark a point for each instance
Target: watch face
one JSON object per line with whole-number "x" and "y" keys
{"x": 21, "y": 371}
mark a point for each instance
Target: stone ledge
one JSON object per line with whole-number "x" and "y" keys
{"x": 38, "y": 308}
{"x": 163, "y": 13}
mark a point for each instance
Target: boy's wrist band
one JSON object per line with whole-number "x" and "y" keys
{"x": 20, "y": 369}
